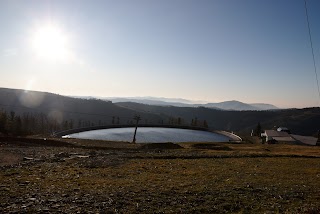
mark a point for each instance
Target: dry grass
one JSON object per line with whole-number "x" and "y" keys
{"x": 235, "y": 180}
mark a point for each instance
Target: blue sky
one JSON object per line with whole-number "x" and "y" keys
{"x": 211, "y": 50}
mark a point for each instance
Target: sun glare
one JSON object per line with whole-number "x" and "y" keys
{"x": 50, "y": 43}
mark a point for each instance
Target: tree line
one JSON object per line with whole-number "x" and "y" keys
{"x": 27, "y": 123}
{"x": 30, "y": 123}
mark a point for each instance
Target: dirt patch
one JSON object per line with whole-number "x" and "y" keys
{"x": 211, "y": 146}
{"x": 8, "y": 158}
{"x": 19, "y": 141}
{"x": 161, "y": 146}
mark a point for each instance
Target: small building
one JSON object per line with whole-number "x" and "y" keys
{"x": 277, "y": 136}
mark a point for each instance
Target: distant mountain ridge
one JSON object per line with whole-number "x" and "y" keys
{"x": 227, "y": 105}
{"x": 264, "y": 106}
{"x": 240, "y": 106}
{"x": 150, "y": 102}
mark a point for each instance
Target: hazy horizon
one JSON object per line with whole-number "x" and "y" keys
{"x": 209, "y": 50}
{"x": 152, "y": 98}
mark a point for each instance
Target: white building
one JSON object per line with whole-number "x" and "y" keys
{"x": 278, "y": 136}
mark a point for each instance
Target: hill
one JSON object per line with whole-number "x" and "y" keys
{"x": 159, "y": 101}
{"x": 264, "y": 106}
{"x": 62, "y": 109}
{"x": 301, "y": 121}
{"x": 34, "y": 109}
{"x": 232, "y": 105}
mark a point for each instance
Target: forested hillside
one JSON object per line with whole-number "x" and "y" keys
{"x": 40, "y": 112}
{"x": 30, "y": 112}
{"x": 300, "y": 121}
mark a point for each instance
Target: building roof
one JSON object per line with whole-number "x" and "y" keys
{"x": 278, "y": 136}
{"x": 306, "y": 139}
{"x": 273, "y": 133}
{"x": 284, "y": 139}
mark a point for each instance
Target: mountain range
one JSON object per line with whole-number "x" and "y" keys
{"x": 160, "y": 101}
{"x": 83, "y": 112}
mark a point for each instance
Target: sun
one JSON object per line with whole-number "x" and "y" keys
{"x": 50, "y": 43}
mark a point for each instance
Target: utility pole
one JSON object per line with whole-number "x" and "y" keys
{"x": 137, "y": 118}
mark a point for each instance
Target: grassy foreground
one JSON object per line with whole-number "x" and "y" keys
{"x": 199, "y": 178}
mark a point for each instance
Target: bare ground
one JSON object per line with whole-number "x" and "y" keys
{"x": 80, "y": 176}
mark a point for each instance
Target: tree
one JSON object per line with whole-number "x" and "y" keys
{"x": 65, "y": 125}
{"x": 171, "y": 120}
{"x": 17, "y": 127}
{"x": 26, "y": 123}
{"x": 258, "y": 130}
{"x": 205, "y": 124}
{"x": 12, "y": 114}
{"x": 3, "y": 122}
{"x": 71, "y": 124}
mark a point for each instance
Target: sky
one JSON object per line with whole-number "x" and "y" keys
{"x": 209, "y": 50}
